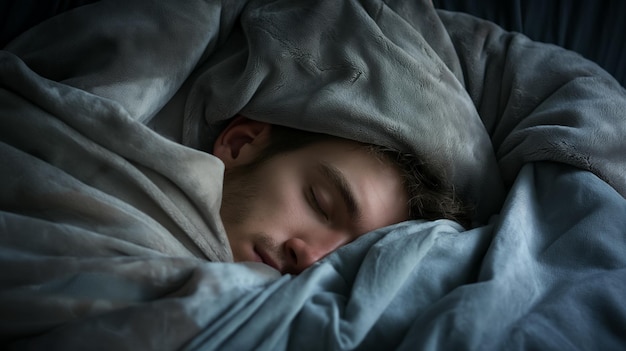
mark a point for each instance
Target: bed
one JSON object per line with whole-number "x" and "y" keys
{"x": 107, "y": 111}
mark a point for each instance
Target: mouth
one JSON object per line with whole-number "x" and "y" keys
{"x": 266, "y": 258}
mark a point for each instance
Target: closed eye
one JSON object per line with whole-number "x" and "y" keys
{"x": 316, "y": 204}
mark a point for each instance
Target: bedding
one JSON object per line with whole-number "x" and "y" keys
{"x": 110, "y": 236}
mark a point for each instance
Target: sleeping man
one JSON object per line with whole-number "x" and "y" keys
{"x": 111, "y": 233}
{"x": 291, "y": 197}
{"x": 286, "y": 211}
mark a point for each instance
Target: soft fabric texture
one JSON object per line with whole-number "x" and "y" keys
{"x": 76, "y": 162}
{"x": 108, "y": 228}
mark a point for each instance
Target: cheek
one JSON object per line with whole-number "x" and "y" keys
{"x": 282, "y": 203}
{"x": 278, "y": 204}
{"x": 271, "y": 200}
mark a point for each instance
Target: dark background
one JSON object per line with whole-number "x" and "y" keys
{"x": 594, "y": 28}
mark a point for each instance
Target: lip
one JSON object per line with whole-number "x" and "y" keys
{"x": 265, "y": 258}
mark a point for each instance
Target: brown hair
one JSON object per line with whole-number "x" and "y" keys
{"x": 430, "y": 196}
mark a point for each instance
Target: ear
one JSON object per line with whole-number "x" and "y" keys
{"x": 241, "y": 141}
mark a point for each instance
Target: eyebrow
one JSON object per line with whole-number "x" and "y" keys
{"x": 339, "y": 181}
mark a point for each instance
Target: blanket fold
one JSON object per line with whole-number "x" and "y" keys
{"x": 540, "y": 102}
{"x": 61, "y": 134}
{"x": 136, "y": 52}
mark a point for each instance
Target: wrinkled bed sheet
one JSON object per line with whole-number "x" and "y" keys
{"x": 102, "y": 222}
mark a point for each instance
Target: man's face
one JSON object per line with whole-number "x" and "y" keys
{"x": 296, "y": 207}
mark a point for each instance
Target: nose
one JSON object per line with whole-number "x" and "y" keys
{"x": 300, "y": 254}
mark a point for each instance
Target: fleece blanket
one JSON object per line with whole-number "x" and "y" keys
{"x": 109, "y": 202}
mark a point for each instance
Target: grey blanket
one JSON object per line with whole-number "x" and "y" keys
{"x": 107, "y": 227}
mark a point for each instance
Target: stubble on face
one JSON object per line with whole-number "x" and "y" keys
{"x": 240, "y": 193}
{"x": 240, "y": 190}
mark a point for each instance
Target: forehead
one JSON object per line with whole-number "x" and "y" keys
{"x": 347, "y": 154}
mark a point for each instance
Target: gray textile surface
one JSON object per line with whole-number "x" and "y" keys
{"x": 107, "y": 228}
{"x": 77, "y": 162}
